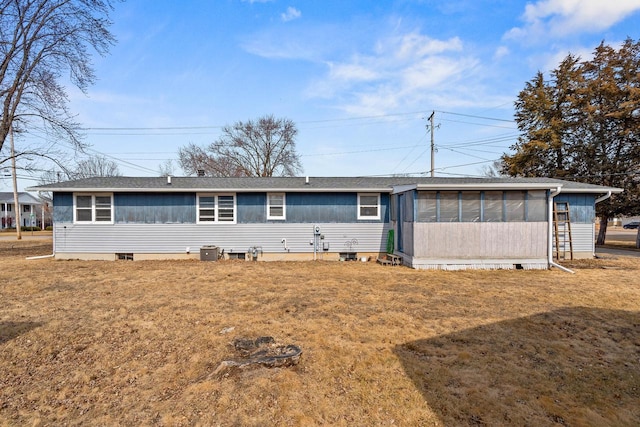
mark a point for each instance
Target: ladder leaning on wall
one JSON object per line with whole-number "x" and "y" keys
{"x": 562, "y": 229}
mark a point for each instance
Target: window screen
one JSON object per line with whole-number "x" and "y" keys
{"x": 427, "y": 206}
{"x": 103, "y": 208}
{"x": 449, "y": 206}
{"x": 84, "y": 208}
{"x": 493, "y": 206}
{"x": 368, "y": 206}
{"x": 276, "y": 206}
{"x": 470, "y": 206}
{"x": 207, "y": 210}
{"x": 515, "y": 206}
{"x": 226, "y": 208}
{"x": 537, "y": 206}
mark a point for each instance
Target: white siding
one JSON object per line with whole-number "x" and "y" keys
{"x": 175, "y": 238}
{"x": 486, "y": 240}
{"x": 582, "y": 237}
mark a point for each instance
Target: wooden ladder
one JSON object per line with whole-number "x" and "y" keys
{"x": 562, "y": 223}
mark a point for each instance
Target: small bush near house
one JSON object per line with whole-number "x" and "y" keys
{"x": 49, "y": 228}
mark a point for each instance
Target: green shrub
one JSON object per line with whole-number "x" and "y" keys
{"x": 49, "y": 228}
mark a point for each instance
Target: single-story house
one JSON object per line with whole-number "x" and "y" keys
{"x": 27, "y": 204}
{"x": 447, "y": 223}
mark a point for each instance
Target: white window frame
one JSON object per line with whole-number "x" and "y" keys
{"x": 284, "y": 206}
{"x": 360, "y": 206}
{"x": 216, "y": 197}
{"x": 93, "y": 208}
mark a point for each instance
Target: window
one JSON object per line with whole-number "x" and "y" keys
{"x": 276, "y": 206}
{"x": 449, "y": 206}
{"x": 7, "y": 206}
{"x": 493, "y": 202}
{"x": 93, "y": 208}
{"x": 427, "y": 211}
{"x": 216, "y": 208}
{"x": 470, "y": 206}
{"x": 368, "y": 206}
{"x": 537, "y": 206}
{"x": 26, "y": 208}
{"x": 515, "y": 205}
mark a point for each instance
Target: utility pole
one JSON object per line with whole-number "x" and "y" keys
{"x": 16, "y": 201}
{"x": 433, "y": 147}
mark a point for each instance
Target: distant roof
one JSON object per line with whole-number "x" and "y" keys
{"x": 23, "y": 198}
{"x": 313, "y": 184}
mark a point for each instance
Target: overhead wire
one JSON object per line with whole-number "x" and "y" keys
{"x": 372, "y": 119}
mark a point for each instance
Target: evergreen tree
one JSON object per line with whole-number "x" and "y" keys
{"x": 584, "y": 125}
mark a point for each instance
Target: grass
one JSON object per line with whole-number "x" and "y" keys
{"x": 620, "y": 244}
{"x": 136, "y": 343}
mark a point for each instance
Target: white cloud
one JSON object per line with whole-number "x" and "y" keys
{"x": 501, "y": 52}
{"x": 562, "y": 17}
{"x": 401, "y": 71}
{"x": 291, "y": 14}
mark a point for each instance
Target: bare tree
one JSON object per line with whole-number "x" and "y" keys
{"x": 86, "y": 168}
{"x": 262, "y": 148}
{"x": 166, "y": 168}
{"x": 95, "y": 166}
{"x": 40, "y": 41}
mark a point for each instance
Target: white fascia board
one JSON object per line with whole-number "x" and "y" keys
{"x": 594, "y": 190}
{"x": 214, "y": 190}
{"x": 490, "y": 186}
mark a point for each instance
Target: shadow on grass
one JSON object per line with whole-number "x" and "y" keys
{"x": 573, "y": 366}
{"x": 11, "y": 330}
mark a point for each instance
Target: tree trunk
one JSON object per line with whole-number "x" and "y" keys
{"x": 16, "y": 201}
{"x": 638, "y": 239}
{"x": 602, "y": 234}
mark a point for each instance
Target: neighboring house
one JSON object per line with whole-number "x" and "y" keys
{"x": 27, "y": 204}
{"x": 446, "y": 223}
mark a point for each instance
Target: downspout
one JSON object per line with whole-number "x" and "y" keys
{"x": 598, "y": 200}
{"x": 52, "y": 255}
{"x": 602, "y": 198}
{"x": 553, "y": 194}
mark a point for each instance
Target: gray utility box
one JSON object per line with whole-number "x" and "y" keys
{"x": 209, "y": 253}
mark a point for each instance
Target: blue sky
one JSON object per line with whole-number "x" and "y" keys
{"x": 359, "y": 78}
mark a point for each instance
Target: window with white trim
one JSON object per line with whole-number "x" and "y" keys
{"x": 216, "y": 208}
{"x": 276, "y": 206}
{"x": 368, "y": 206}
{"x": 93, "y": 208}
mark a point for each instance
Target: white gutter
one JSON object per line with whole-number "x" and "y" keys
{"x": 41, "y": 256}
{"x": 553, "y": 194}
{"x": 605, "y": 197}
{"x": 53, "y": 238}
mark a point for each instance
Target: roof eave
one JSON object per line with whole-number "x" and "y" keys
{"x": 170, "y": 189}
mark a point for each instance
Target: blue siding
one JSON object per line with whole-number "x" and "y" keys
{"x": 252, "y": 208}
{"x": 155, "y": 208}
{"x": 62, "y": 207}
{"x": 329, "y": 208}
{"x": 180, "y": 208}
{"x": 582, "y": 207}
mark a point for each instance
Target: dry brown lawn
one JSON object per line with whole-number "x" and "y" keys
{"x": 136, "y": 343}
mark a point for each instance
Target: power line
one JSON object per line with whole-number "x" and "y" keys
{"x": 477, "y": 117}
